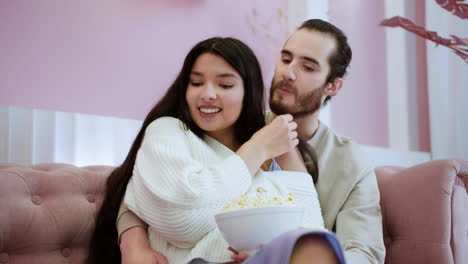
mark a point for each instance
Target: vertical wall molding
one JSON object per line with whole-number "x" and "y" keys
{"x": 42, "y": 136}
{"x": 398, "y": 75}
{"x": 4, "y": 132}
{"x": 20, "y": 138}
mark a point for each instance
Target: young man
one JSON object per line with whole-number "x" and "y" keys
{"x": 313, "y": 61}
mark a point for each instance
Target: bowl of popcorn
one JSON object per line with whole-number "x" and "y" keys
{"x": 255, "y": 219}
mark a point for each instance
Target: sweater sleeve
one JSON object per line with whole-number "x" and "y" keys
{"x": 175, "y": 193}
{"x": 359, "y": 223}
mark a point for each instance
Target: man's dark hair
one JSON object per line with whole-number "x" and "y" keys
{"x": 339, "y": 60}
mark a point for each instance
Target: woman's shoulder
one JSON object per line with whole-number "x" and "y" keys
{"x": 165, "y": 123}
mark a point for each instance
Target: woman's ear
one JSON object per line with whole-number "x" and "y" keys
{"x": 334, "y": 87}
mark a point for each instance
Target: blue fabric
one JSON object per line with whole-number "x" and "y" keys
{"x": 279, "y": 250}
{"x": 274, "y": 166}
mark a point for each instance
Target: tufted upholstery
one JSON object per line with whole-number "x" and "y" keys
{"x": 47, "y": 211}
{"x": 425, "y": 212}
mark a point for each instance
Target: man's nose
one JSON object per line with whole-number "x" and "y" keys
{"x": 289, "y": 74}
{"x": 208, "y": 92}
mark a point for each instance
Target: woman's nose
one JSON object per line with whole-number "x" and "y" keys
{"x": 208, "y": 92}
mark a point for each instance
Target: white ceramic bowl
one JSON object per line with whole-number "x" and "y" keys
{"x": 246, "y": 229}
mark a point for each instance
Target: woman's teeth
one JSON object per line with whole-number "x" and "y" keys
{"x": 209, "y": 110}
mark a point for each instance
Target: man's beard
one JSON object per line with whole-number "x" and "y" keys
{"x": 305, "y": 105}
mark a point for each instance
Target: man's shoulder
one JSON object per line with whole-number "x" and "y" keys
{"x": 347, "y": 152}
{"x": 330, "y": 140}
{"x": 346, "y": 144}
{"x": 269, "y": 116}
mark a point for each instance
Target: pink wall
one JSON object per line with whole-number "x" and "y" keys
{"x": 360, "y": 110}
{"x": 116, "y": 58}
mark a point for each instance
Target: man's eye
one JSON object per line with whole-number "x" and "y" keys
{"x": 307, "y": 68}
{"x": 196, "y": 83}
{"x": 226, "y": 86}
{"x": 286, "y": 61}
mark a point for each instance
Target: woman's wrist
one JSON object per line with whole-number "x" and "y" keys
{"x": 253, "y": 155}
{"x": 292, "y": 161}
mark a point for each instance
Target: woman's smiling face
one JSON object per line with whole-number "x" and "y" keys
{"x": 215, "y": 95}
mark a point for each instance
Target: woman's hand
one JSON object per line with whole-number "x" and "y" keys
{"x": 238, "y": 257}
{"x": 274, "y": 139}
{"x": 278, "y": 137}
{"x": 144, "y": 256}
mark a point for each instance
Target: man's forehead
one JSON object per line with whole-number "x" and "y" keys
{"x": 310, "y": 43}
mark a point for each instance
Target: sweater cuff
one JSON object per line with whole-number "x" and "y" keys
{"x": 127, "y": 220}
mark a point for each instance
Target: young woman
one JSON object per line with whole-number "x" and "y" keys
{"x": 199, "y": 148}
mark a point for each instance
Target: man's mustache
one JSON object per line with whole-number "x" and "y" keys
{"x": 285, "y": 84}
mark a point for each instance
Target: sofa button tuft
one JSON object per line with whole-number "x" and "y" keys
{"x": 36, "y": 199}
{"x": 91, "y": 198}
{"x": 3, "y": 258}
{"x": 66, "y": 252}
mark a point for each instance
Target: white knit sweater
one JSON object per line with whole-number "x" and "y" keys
{"x": 181, "y": 181}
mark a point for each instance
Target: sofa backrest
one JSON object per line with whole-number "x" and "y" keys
{"x": 47, "y": 211}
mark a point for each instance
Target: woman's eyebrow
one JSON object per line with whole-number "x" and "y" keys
{"x": 196, "y": 73}
{"x": 221, "y": 75}
{"x": 224, "y": 75}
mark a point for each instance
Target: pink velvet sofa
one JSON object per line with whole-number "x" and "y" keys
{"x": 47, "y": 212}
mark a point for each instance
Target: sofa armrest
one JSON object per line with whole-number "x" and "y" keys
{"x": 425, "y": 212}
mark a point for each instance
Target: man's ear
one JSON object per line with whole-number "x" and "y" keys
{"x": 334, "y": 87}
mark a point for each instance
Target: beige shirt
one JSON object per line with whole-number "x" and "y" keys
{"x": 348, "y": 194}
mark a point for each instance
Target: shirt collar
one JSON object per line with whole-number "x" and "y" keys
{"x": 321, "y": 130}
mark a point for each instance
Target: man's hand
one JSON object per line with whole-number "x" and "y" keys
{"x": 136, "y": 249}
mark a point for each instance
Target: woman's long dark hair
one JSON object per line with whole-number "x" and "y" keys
{"x": 104, "y": 246}
{"x": 310, "y": 159}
